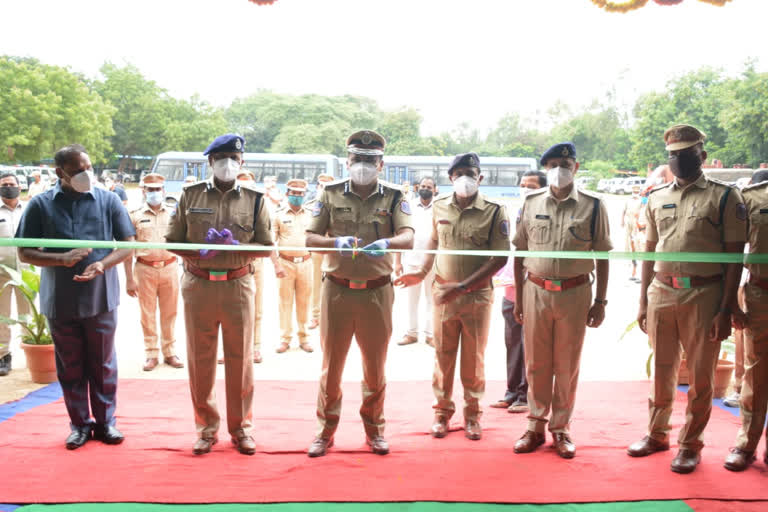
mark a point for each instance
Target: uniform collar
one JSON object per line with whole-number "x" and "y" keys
{"x": 574, "y": 194}
{"x": 348, "y": 189}
{"x": 210, "y": 185}
{"x": 478, "y": 202}
{"x": 701, "y": 182}
{"x": 146, "y": 208}
{"x": 18, "y": 206}
{"x": 419, "y": 204}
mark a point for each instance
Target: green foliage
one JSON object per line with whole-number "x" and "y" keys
{"x": 34, "y": 326}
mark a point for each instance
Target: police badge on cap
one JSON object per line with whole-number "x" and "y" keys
{"x": 366, "y": 142}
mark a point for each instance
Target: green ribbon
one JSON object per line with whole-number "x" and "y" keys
{"x": 690, "y": 257}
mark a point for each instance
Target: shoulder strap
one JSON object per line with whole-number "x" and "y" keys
{"x": 392, "y": 211}
{"x": 493, "y": 222}
{"x": 723, "y": 202}
{"x": 593, "y": 222}
{"x": 256, "y": 205}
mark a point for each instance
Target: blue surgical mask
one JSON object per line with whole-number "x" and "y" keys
{"x": 154, "y": 198}
{"x": 296, "y": 200}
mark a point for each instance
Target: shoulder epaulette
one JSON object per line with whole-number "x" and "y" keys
{"x": 536, "y": 192}
{"x": 660, "y": 187}
{"x": 755, "y": 186}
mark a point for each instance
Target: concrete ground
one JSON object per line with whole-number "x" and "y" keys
{"x": 604, "y": 358}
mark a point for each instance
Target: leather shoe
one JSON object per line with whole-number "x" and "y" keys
{"x": 685, "y": 461}
{"x": 738, "y": 459}
{"x": 306, "y": 347}
{"x": 378, "y": 445}
{"x": 439, "y": 427}
{"x": 473, "y": 430}
{"x": 313, "y": 323}
{"x": 518, "y": 407}
{"x": 646, "y": 446}
{"x": 244, "y": 444}
{"x": 150, "y": 364}
{"x": 204, "y": 445}
{"x": 257, "y": 357}
{"x": 563, "y": 445}
{"x": 107, "y": 434}
{"x": 174, "y": 361}
{"x": 319, "y": 447}
{"x": 529, "y": 442}
{"x": 284, "y": 346}
{"x": 78, "y": 437}
{"x": 408, "y": 340}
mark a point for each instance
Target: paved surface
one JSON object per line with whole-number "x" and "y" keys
{"x": 604, "y": 357}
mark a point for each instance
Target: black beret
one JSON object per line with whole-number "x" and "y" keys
{"x": 562, "y": 150}
{"x": 464, "y": 160}
{"x": 229, "y": 143}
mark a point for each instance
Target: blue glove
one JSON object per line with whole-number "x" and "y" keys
{"x": 212, "y": 237}
{"x": 227, "y": 238}
{"x": 376, "y": 249}
{"x": 346, "y": 242}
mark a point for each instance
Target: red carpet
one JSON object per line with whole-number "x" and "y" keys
{"x": 155, "y": 464}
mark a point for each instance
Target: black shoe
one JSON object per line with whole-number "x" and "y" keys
{"x": 5, "y": 365}
{"x": 78, "y": 437}
{"x": 107, "y": 434}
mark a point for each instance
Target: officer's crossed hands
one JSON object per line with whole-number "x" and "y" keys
{"x": 376, "y": 249}
{"x": 220, "y": 238}
{"x": 347, "y": 244}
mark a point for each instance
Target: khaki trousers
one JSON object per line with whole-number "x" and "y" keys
{"x": 258, "y": 282}
{"x": 209, "y": 305}
{"x": 317, "y": 281}
{"x": 554, "y": 325}
{"x": 682, "y": 317}
{"x": 463, "y": 324}
{"x": 754, "y": 389}
{"x": 366, "y": 315}
{"x": 22, "y": 308}
{"x": 158, "y": 287}
{"x": 295, "y": 287}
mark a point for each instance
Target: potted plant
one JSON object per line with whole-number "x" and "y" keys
{"x": 36, "y": 340}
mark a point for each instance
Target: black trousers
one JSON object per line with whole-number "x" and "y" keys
{"x": 517, "y": 385}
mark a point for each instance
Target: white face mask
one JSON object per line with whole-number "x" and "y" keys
{"x": 464, "y": 186}
{"x": 559, "y": 177}
{"x": 226, "y": 169}
{"x": 81, "y": 182}
{"x": 363, "y": 173}
{"x": 154, "y": 198}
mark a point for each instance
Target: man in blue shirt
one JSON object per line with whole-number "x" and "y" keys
{"x": 79, "y": 290}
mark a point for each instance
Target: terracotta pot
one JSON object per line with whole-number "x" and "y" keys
{"x": 723, "y": 373}
{"x": 41, "y": 362}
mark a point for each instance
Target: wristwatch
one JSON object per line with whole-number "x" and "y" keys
{"x": 604, "y": 302}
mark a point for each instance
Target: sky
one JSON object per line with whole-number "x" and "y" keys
{"x": 453, "y": 60}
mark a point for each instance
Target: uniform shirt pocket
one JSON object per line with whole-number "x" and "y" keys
{"x": 444, "y": 233}
{"x": 241, "y": 227}
{"x": 199, "y": 221}
{"x": 343, "y": 222}
{"x": 702, "y": 224}
{"x": 478, "y": 236}
{"x": 540, "y": 230}
{"x": 666, "y": 220}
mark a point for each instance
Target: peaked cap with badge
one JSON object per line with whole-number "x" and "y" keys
{"x": 682, "y": 136}
{"x": 561, "y": 150}
{"x": 324, "y": 178}
{"x": 366, "y": 142}
{"x": 465, "y": 160}
{"x": 229, "y": 143}
{"x": 297, "y": 185}
{"x": 153, "y": 179}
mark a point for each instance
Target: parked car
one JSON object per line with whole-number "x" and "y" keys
{"x": 602, "y": 185}
{"x": 626, "y": 186}
{"x": 614, "y": 185}
{"x": 23, "y": 179}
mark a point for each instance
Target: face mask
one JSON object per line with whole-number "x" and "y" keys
{"x": 559, "y": 177}
{"x": 10, "y": 192}
{"x": 464, "y": 186}
{"x": 425, "y": 194}
{"x": 685, "y": 165}
{"x": 154, "y": 198}
{"x": 363, "y": 173}
{"x": 81, "y": 182}
{"x": 226, "y": 169}
{"x": 644, "y": 200}
{"x": 296, "y": 200}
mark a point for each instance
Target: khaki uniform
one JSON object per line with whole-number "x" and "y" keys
{"x": 555, "y": 321}
{"x": 464, "y": 323}
{"x": 317, "y": 272}
{"x": 229, "y": 304}
{"x": 158, "y": 281}
{"x": 690, "y": 219}
{"x": 363, "y": 313}
{"x": 9, "y": 223}
{"x": 258, "y": 299}
{"x": 289, "y": 230}
{"x": 754, "y": 389}
{"x": 631, "y": 210}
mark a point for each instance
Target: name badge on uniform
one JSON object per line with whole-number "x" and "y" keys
{"x": 343, "y": 209}
{"x": 668, "y": 206}
{"x": 542, "y": 217}
{"x": 762, "y": 210}
{"x": 144, "y": 220}
{"x": 201, "y": 210}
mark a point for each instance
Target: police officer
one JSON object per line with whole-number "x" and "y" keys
{"x": 754, "y": 387}
{"x": 217, "y": 288}
{"x": 687, "y": 303}
{"x": 317, "y": 258}
{"x": 629, "y": 223}
{"x": 554, "y": 301}
{"x": 156, "y": 278}
{"x": 462, "y": 293}
{"x": 358, "y": 212}
{"x": 289, "y": 230}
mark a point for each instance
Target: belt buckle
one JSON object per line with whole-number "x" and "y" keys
{"x": 298, "y": 259}
{"x": 158, "y": 264}
{"x": 358, "y": 285}
{"x": 217, "y": 275}
{"x": 553, "y": 285}
{"x": 682, "y": 283}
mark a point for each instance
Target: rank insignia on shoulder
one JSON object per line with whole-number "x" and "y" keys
{"x": 741, "y": 211}
{"x": 405, "y": 207}
{"x": 504, "y": 228}
{"x": 318, "y": 209}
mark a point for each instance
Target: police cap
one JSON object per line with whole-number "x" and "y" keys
{"x": 366, "y": 142}
{"x": 229, "y": 143}
{"x": 464, "y": 160}
{"x": 683, "y": 136}
{"x": 562, "y": 150}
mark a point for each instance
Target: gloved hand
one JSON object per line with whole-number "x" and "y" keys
{"x": 346, "y": 242}
{"x": 214, "y": 237}
{"x": 227, "y": 238}
{"x": 376, "y": 249}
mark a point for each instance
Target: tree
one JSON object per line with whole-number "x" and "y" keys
{"x": 746, "y": 118}
{"x": 43, "y": 108}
